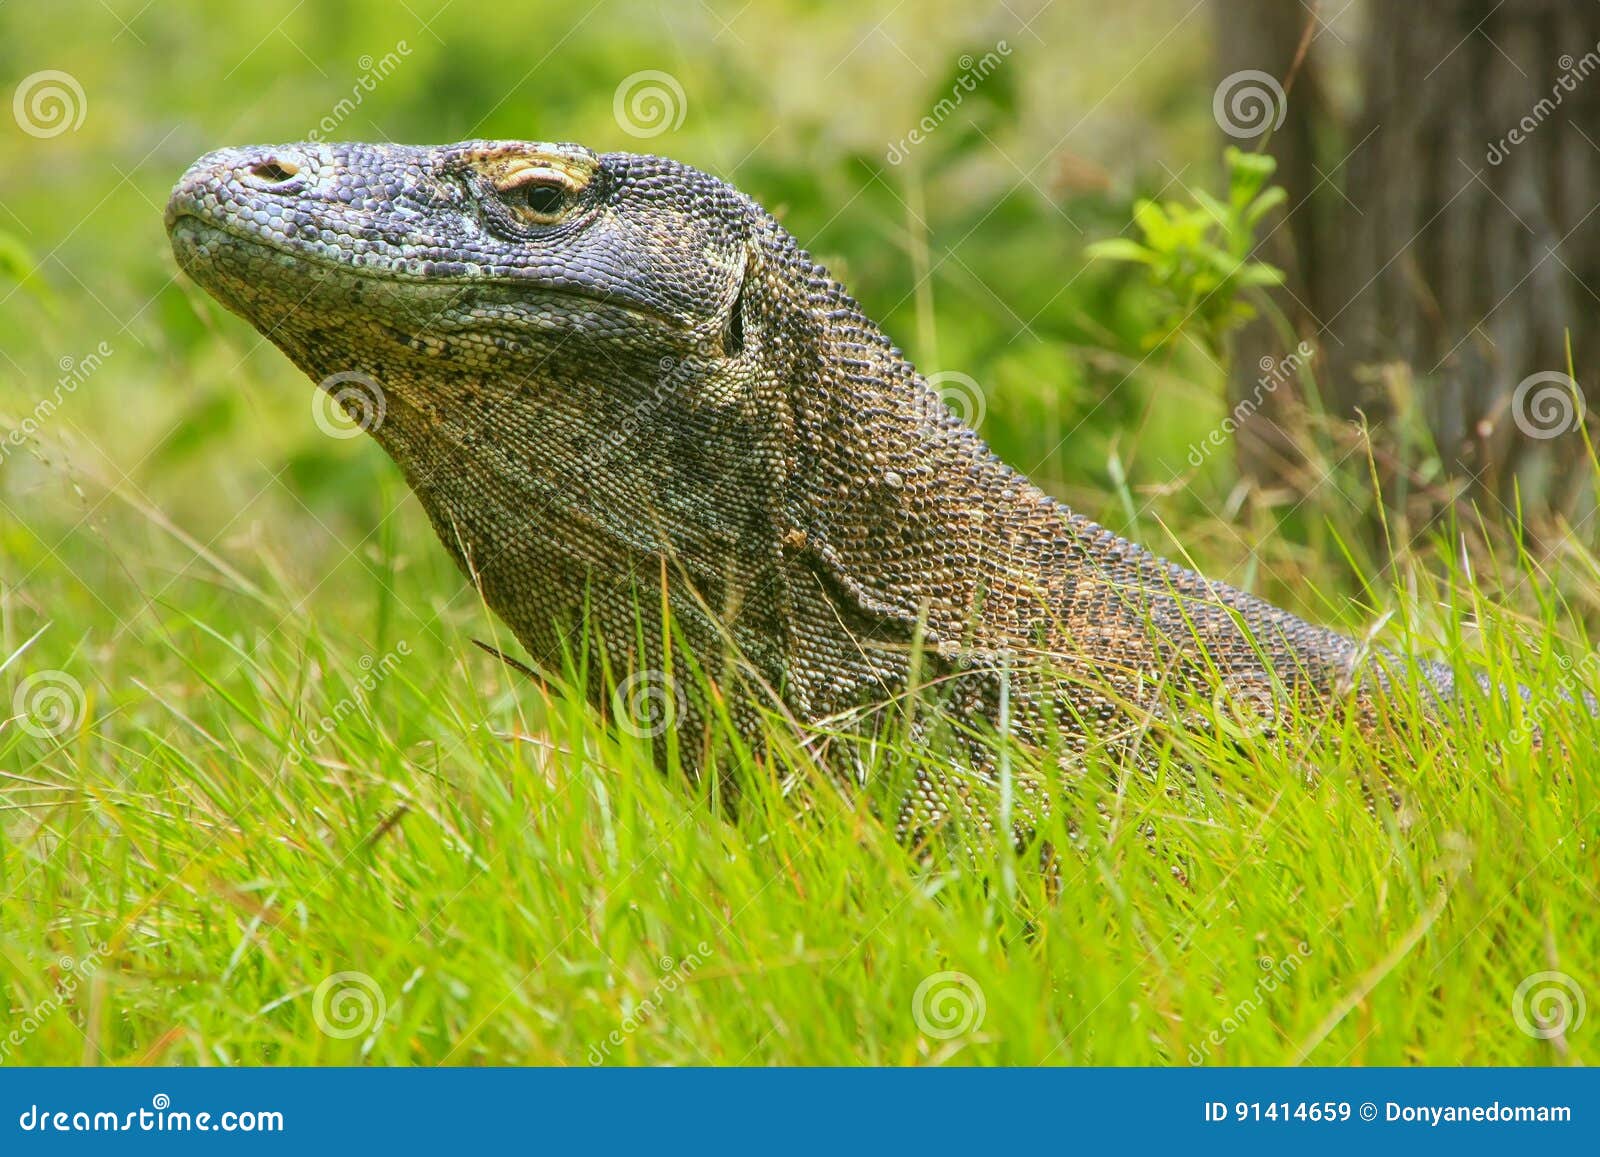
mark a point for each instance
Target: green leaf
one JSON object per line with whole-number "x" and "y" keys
{"x": 1258, "y": 273}
{"x": 16, "y": 262}
{"x": 1154, "y": 224}
{"x": 1120, "y": 249}
{"x": 1264, "y": 204}
{"x": 1247, "y": 173}
{"x": 1220, "y": 213}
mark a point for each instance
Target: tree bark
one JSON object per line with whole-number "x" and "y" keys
{"x": 1471, "y": 245}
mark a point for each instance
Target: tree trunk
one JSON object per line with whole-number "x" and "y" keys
{"x": 1471, "y": 247}
{"x": 1255, "y": 37}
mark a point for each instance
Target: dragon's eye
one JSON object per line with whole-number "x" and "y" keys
{"x": 537, "y": 190}
{"x": 544, "y": 200}
{"x": 538, "y": 201}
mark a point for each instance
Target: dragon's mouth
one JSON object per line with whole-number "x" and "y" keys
{"x": 196, "y": 235}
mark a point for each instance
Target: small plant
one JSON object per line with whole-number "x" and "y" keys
{"x": 1199, "y": 254}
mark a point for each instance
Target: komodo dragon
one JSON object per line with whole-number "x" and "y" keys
{"x": 617, "y": 384}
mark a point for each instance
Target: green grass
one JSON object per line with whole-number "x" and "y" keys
{"x": 510, "y": 881}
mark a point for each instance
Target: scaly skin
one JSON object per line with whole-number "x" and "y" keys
{"x": 602, "y": 374}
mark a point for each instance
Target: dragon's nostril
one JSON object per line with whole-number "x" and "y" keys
{"x": 275, "y": 171}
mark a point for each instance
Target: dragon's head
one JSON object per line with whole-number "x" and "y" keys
{"x": 489, "y": 249}
{"x": 591, "y": 365}
{"x": 581, "y": 362}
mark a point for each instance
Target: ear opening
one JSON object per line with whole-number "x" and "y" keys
{"x": 733, "y": 329}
